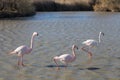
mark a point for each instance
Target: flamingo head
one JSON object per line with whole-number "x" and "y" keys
{"x": 74, "y": 46}
{"x": 102, "y": 33}
{"x": 35, "y": 34}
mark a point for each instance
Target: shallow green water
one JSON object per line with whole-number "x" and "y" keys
{"x": 58, "y": 31}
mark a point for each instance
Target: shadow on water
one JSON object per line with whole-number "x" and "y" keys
{"x": 89, "y": 68}
{"x": 93, "y": 68}
{"x": 52, "y": 66}
{"x": 118, "y": 57}
{"x": 16, "y": 67}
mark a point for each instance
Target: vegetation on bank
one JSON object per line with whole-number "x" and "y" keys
{"x": 77, "y": 5}
{"x": 16, "y": 8}
{"x": 19, "y": 8}
{"x": 63, "y": 5}
{"x": 107, "y": 5}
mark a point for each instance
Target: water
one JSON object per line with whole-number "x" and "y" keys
{"x": 58, "y": 31}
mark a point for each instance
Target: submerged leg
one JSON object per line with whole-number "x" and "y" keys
{"x": 89, "y": 53}
{"x": 56, "y": 64}
{"x": 19, "y": 60}
{"x": 22, "y": 61}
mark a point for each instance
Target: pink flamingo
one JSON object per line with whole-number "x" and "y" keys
{"x": 91, "y": 43}
{"x": 21, "y": 50}
{"x": 66, "y": 58}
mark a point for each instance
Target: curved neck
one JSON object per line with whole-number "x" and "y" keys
{"x": 73, "y": 52}
{"x": 31, "y": 44}
{"x": 99, "y": 37}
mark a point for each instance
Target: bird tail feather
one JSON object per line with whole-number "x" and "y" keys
{"x": 12, "y": 52}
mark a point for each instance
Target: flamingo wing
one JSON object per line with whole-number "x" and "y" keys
{"x": 66, "y": 58}
{"x": 90, "y": 42}
{"x": 21, "y": 49}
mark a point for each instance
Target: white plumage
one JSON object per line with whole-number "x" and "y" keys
{"x": 21, "y": 50}
{"x": 66, "y": 58}
{"x": 91, "y": 43}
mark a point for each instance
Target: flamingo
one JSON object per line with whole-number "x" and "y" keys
{"x": 21, "y": 50}
{"x": 92, "y": 43}
{"x": 66, "y": 58}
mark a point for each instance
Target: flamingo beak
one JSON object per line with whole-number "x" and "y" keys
{"x": 103, "y": 34}
{"x": 76, "y": 47}
{"x": 37, "y": 34}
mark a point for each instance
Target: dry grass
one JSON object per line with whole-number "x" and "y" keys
{"x": 107, "y": 5}
{"x": 63, "y": 5}
{"x": 77, "y": 5}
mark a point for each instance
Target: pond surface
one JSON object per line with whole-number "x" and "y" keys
{"x": 58, "y": 31}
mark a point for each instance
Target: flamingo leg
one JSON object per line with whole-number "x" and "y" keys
{"x": 56, "y": 64}
{"x": 19, "y": 60}
{"x": 89, "y": 53}
{"x": 22, "y": 61}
